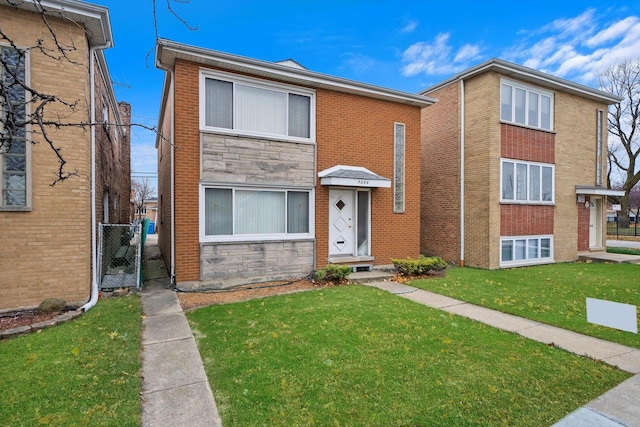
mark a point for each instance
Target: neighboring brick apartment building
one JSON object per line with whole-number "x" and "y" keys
{"x": 513, "y": 167}
{"x": 49, "y": 232}
{"x": 269, "y": 170}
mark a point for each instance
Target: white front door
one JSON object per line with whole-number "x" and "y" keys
{"x": 341, "y": 222}
{"x": 595, "y": 223}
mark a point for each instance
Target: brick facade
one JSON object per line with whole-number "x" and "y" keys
{"x": 570, "y": 147}
{"x": 350, "y": 130}
{"x": 46, "y": 250}
{"x": 358, "y": 131}
{"x": 440, "y": 175}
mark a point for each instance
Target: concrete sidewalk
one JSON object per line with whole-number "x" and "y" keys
{"x": 175, "y": 389}
{"x": 620, "y": 406}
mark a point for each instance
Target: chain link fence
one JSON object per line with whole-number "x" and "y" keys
{"x": 119, "y": 256}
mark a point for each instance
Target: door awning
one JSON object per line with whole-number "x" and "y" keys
{"x": 352, "y": 176}
{"x": 597, "y": 191}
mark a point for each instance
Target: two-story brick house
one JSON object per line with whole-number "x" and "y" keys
{"x": 269, "y": 170}
{"x": 49, "y": 233}
{"x": 513, "y": 167}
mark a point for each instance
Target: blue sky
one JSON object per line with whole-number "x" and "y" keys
{"x": 404, "y": 45}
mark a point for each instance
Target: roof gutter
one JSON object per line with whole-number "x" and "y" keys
{"x": 529, "y": 75}
{"x": 167, "y": 51}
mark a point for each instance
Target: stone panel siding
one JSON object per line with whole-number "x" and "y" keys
{"x": 230, "y": 159}
{"x": 226, "y": 265}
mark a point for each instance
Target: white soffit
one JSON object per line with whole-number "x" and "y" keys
{"x": 352, "y": 176}
{"x": 597, "y": 191}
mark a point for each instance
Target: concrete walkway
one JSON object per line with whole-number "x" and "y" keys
{"x": 175, "y": 389}
{"x": 620, "y": 406}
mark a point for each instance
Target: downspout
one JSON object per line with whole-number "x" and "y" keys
{"x": 93, "y": 298}
{"x": 461, "y": 263}
{"x": 173, "y": 204}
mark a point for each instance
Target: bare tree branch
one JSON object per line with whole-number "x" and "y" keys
{"x": 623, "y": 122}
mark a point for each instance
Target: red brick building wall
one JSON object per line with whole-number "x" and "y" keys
{"x": 359, "y": 131}
{"x": 187, "y": 171}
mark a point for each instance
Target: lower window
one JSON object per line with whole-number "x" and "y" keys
{"x": 523, "y": 250}
{"x": 238, "y": 213}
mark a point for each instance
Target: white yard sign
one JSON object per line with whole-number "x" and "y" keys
{"x": 612, "y": 314}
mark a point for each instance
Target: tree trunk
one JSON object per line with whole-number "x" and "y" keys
{"x": 623, "y": 215}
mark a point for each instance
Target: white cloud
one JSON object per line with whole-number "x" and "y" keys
{"x": 468, "y": 52}
{"x": 613, "y": 32}
{"x": 358, "y": 63}
{"x": 578, "y": 48}
{"x": 410, "y": 27}
{"x": 436, "y": 57}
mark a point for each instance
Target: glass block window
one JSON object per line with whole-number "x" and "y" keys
{"x": 398, "y": 167}
{"x": 599, "y": 138}
{"x": 13, "y": 145}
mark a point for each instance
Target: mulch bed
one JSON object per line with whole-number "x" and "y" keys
{"x": 16, "y": 319}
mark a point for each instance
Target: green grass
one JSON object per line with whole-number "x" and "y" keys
{"x": 625, "y": 251}
{"x": 360, "y": 356}
{"x": 553, "y": 294}
{"x": 83, "y": 372}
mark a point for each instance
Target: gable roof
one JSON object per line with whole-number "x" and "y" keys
{"x": 94, "y": 18}
{"x": 168, "y": 51}
{"x": 529, "y": 75}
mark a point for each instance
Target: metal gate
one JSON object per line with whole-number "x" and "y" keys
{"x": 119, "y": 256}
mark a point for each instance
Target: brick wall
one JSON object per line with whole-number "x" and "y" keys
{"x": 482, "y": 171}
{"x": 163, "y": 145}
{"x": 527, "y": 144}
{"x": 584, "y": 218}
{"x": 575, "y": 126}
{"x": 187, "y": 171}
{"x": 358, "y": 131}
{"x": 526, "y": 220}
{"x": 440, "y": 175}
{"x": 46, "y": 252}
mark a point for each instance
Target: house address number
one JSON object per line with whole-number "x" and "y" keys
{"x": 363, "y": 182}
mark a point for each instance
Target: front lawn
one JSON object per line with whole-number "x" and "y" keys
{"x": 84, "y": 372}
{"x": 554, "y": 294}
{"x": 355, "y": 355}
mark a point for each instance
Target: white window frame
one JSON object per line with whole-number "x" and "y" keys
{"x": 528, "y": 201}
{"x": 529, "y": 260}
{"x": 260, "y": 84}
{"x": 28, "y": 206}
{"x": 204, "y": 238}
{"x": 528, "y": 89}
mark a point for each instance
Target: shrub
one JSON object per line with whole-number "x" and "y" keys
{"x": 419, "y": 267}
{"x": 332, "y": 273}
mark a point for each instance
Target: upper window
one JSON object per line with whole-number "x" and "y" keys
{"x": 256, "y": 214}
{"x": 526, "y": 182}
{"x": 13, "y": 142}
{"x": 233, "y": 104}
{"x": 525, "y": 105}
